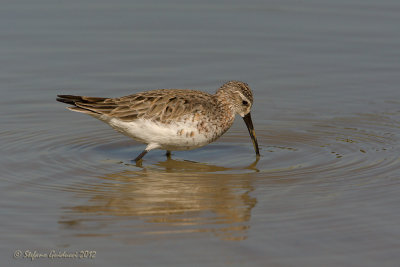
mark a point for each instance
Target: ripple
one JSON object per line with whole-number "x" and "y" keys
{"x": 356, "y": 149}
{"x": 339, "y": 148}
{"x": 207, "y": 190}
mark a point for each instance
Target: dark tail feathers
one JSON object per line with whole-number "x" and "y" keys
{"x": 73, "y": 99}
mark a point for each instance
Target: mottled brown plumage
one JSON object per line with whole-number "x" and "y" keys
{"x": 163, "y": 105}
{"x": 199, "y": 117}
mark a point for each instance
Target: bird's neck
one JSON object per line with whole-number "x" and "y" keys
{"x": 225, "y": 100}
{"x": 225, "y": 108}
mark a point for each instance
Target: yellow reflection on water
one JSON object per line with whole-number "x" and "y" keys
{"x": 171, "y": 197}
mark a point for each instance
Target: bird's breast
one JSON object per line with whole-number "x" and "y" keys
{"x": 187, "y": 133}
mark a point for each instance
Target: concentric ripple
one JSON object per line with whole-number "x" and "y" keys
{"x": 204, "y": 190}
{"x": 340, "y": 147}
{"x": 359, "y": 147}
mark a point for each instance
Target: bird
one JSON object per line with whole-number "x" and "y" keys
{"x": 172, "y": 119}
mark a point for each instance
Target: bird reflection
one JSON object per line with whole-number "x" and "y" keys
{"x": 169, "y": 197}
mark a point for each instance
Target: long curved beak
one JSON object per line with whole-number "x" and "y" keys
{"x": 250, "y": 127}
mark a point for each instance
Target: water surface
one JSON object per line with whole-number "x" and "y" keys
{"x": 325, "y": 76}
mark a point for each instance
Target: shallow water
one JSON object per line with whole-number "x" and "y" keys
{"x": 325, "y": 192}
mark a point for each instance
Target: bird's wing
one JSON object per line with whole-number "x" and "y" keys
{"x": 161, "y": 105}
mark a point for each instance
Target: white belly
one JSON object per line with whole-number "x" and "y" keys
{"x": 173, "y": 136}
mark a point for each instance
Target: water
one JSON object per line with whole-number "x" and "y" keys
{"x": 325, "y": 76}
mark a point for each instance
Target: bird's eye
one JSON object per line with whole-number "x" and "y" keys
{"x": 245, "y": 102}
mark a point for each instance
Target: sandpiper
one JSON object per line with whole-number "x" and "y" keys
{"x": 172, "y": 119}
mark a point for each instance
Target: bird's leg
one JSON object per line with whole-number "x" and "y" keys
{"x": 168, "y": 154}
{"x": 141, "y": 155}
{"x": 147, "y": 149}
